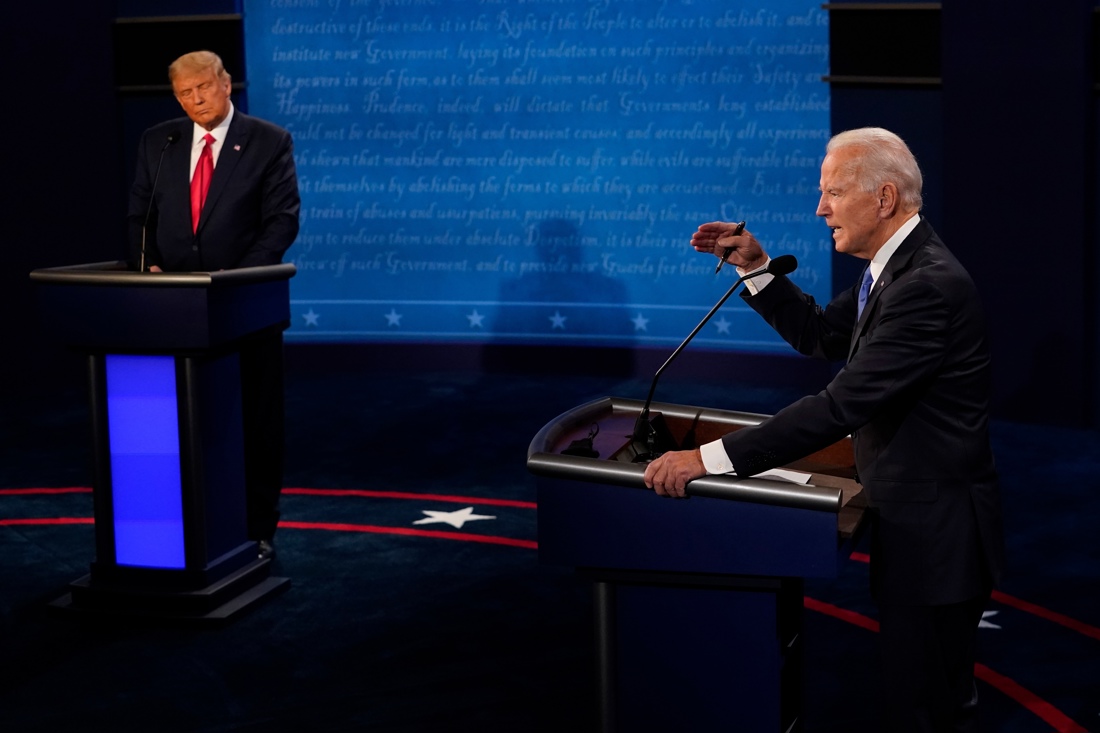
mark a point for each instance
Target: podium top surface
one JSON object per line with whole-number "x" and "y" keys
{"x": 831, "y": 487}
{"x": 105, "y": 307}
{"x": 116, "y": 274}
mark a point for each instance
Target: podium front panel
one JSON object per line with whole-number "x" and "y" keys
{"x": 143, "y": 436}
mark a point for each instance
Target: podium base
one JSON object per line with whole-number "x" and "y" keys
{"x": 218, "y": 602}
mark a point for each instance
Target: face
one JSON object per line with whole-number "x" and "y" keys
{"x": 852, "y": 213}
{"x": 203, "y": 96}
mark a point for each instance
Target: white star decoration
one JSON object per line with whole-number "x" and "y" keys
{"x": 393, "y": 318}
{"x": 640, "y": 322}
{"x": 456, "y": 518}
{"x": 557, "y": 321}
{"x": 723, "y": 325}
{"x": 476, "y": 319}
{"x": 311, "y": 317}
{"x": 983, "y": 624}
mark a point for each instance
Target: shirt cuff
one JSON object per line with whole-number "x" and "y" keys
{"x": 755, "y": 284}
{"x": 714, "y": 457}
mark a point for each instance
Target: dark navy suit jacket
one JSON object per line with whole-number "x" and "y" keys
{"x": 251, "y": 212}
{"x": 914, "y": 395}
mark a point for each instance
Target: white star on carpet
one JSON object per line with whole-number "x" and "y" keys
{"x": 640, "y": 322}
{"x": 983, "y": 624}
{"x": 476, "y": 319}
{"x": 393, "y": 318}
{"x": 557, "y": 321}
{"x": 311, "y": 317}
{"x": 723, "y": 325}
{"x": 456, "y": 518}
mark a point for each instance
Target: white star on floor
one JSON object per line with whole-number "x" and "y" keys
{"x": 723, "y": 325}
{"x": 476, "y": 319}
{"x": 311, "y": 317}
{"x": 557, "y": 321}
{"x": 640, "y": 322}
{"x": 983, "y": 624}
{"x": 456, "y": 518}
{"x": 393, "y": 318}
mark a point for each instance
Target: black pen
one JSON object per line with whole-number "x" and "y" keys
{"x": 729, "y": 250}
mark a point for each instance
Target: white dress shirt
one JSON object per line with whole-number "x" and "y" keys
{"x": 219, "y": 133}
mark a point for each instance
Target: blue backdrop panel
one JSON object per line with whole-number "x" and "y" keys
{"x": 532, "y": 171}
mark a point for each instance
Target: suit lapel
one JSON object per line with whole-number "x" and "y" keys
{"x": 896, "y": 265}
{"x": 235, "y": 141}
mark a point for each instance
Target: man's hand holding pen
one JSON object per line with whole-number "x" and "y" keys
{"x": 730, "y": 243}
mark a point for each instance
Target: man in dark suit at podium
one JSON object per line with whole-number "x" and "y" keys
{"x": 218, "y": 190}
{"x": 914, "y": 395}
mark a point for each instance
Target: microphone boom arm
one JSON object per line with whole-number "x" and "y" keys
{"x": 643, "y": 431}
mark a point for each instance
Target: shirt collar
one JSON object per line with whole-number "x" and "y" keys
{"x": 218, "y": 132}
{"x": 878, "y": 263}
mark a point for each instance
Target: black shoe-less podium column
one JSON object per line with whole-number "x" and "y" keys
{"x": 169, "y": 475}
{"x": 698, "y": 601}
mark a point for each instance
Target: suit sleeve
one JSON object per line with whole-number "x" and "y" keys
{"x": 822, "y": 333}
{"x": 140, "y": 194}
{"x": 899, "y": 354}
{"x": 279, "y": 208}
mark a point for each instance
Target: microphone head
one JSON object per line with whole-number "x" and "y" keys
{"x": 173, "y": 136}
{"x": 783, "y": 265}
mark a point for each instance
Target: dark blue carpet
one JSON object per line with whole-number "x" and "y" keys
{"x": 385, "y": 632}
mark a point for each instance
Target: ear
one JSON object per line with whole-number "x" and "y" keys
{"x": 888, "y": 201}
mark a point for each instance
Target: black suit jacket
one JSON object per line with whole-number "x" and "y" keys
{"x": 914, "y": 395}
{"x": 251, "y": 212}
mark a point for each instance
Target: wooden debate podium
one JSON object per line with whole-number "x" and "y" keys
{"x": 171, "y": 538}
{"x": 697, "y": 601}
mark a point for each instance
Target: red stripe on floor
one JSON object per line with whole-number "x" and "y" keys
{"x": 25, "y": 492}
{"x": 406, "y": 532}
{"x": 418, "y": 497}
{"x": 1058, "y": 618}
{"x": 46, "y": 521}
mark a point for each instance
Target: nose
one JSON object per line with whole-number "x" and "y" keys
{"x": 822, "y": 206}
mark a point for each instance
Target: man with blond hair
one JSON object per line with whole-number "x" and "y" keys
{"x": 217, "y": 190}
{"x": 914, "y": 395}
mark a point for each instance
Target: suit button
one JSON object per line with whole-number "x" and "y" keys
{"x": 194, "y": 248}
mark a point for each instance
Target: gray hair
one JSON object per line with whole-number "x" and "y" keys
{"x": 885, "y": 159}
{"x": 196, "y": 62}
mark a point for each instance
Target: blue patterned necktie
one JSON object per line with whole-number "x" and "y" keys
{"x": 864, "y": 290}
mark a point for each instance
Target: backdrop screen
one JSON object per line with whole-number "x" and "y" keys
{"x": 531, "y": 171}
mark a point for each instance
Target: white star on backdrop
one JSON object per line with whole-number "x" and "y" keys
{"x": 393, "y": 318}
{"x": 476, "y": 319}
{"x": 311, "y": 317}
{"x": 557, "y": 321}
{"x": 723, "y": 325}
{"x": 456, "y": 518}
{"x": 640, "y": 322}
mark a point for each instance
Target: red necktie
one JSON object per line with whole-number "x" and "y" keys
{"x": 200, "y": 181}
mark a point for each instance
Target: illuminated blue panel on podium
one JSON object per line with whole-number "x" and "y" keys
{"x": 143, "y": 425}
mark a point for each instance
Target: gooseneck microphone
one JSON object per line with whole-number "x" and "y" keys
{"x": 644, "y": 431}
{"x": 173, "y": 136}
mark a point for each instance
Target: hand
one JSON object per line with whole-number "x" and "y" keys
{"x": 154, "y": 268}
{"x": 669, "y": 474}
{"x": 715, "y": 237}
